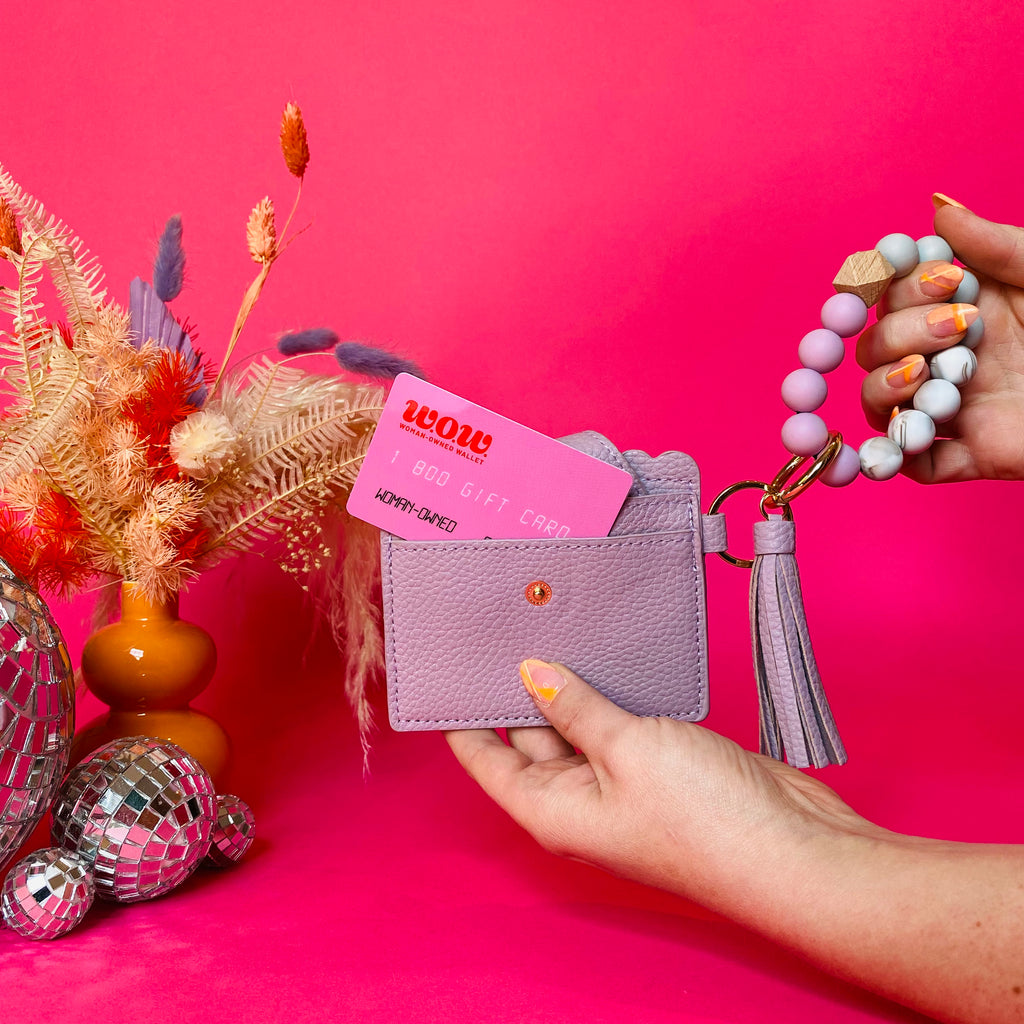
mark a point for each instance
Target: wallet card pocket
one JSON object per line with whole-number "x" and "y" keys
{"x": 626, "y": 612}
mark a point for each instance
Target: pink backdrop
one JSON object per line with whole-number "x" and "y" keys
{"x": 620, "y": 216}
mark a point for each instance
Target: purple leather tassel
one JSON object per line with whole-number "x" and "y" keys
{"x": 796, "y": 720}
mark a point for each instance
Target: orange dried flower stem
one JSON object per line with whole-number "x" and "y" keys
{"x": 251, "y": 296}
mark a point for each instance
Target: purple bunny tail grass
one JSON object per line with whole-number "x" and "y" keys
{"x": 316, "y": 339}
{"x": 373, "y": 362}
{"x": 169, "y": 266}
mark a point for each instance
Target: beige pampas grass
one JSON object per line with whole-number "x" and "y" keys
{"x": 261, "y": 233}
{"x": 293, "y": 140}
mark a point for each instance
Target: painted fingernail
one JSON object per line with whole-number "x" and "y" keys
{"x": 542, "y": 681}
{"x": 953, "y": 318}
{"x": 906, "y": 371}
{"x": 940, "y": 200}
{"x": 942, "y": 279}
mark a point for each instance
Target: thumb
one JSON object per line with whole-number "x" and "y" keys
{"x": 996, "y": 250}
{"x": 586, "y": 718}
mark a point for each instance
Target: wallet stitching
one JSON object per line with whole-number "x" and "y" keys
{"x": 619, "y": 540}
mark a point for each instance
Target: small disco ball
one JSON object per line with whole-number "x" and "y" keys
{"x": 139, "y": 811}
{"x": 46, "y": 894}
{"x": 37, "y": 710}
{"x": 233, "y": 832}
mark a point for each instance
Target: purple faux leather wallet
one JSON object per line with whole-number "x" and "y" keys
{"x": 627, "y": 611}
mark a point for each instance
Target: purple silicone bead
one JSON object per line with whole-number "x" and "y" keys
{"x": 821, "y": 350}
{"x": 844, "y": 469}
{"x": 804, "y": 433}
{"x": 804, "y": 390}
{"x": 844, "y": 313}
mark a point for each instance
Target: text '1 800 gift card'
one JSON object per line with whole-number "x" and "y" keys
{"x": 440, "y": 467}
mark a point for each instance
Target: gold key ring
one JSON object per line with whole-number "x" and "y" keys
{"x": 780, "y": 492}
{"x": 787, "y": 514}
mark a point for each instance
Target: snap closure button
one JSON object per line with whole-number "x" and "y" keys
{"x": 538, "y": 592}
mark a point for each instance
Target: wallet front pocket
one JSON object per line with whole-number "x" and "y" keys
{"x": 626, "y": 612}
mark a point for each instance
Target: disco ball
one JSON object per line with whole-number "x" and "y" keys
{"x": 140, "y": 811}
{"x": 37, "y": 710}
{"x": 46, "y": 894}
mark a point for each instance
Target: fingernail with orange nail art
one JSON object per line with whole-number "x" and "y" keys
{"x": 951, "y": 319}
{"x": 939, "y": 200}
{"x": 942, "y": 279}
{"x": 905, "y": 372}
{"x": 542, "y": 681}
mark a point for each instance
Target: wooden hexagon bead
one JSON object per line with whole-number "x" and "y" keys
{"x": 866, "y": 274}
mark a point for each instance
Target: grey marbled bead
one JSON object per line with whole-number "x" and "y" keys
{"x": 912, "y": 430}
{"x": 880, "y": 458}
{"x": 939, "y": 398}
{"x": 932, "y": 247}
{"x": 958, "y": 364}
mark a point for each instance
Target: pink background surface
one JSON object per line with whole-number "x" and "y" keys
{"x": 605, "y": 215}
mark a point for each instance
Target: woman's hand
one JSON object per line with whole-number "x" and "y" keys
{"x": 938, "y": 926}
{"x": 663, "y": 802}
{"x": 986, "y": 438}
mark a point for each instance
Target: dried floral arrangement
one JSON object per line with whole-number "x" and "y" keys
{"x": 124, "y": 457}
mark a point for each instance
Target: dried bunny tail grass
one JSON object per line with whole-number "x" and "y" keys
{"x": 261, "y": 233}
{"x": 294, "y": 145}
{"x": 10, "y": 236}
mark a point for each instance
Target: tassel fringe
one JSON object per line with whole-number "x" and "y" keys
{"x": 796, "y": 720}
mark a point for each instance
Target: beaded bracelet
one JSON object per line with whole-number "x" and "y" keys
{"x": 861, "y": 282}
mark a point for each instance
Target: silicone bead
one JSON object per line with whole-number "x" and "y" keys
{"x": 822, "y": 350}
{"x": 844, "y": 313}
{"x": 804, "y": 390}
{"x": 939, "y": 398}
{"x": 933, "y": 247}
{"x": 967, "y": 290}
{"x": 958, "y": 364}
{"x": 912, "y": 430}
{"x": 880, "y": 459}
{"x": 844, "y": 469}
{"x": 974, "y": 333}
{"x": 804, "y": 433}
{"x": 900, "y": 251}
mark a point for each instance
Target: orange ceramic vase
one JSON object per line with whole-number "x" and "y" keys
{"x": 147, "y": 667}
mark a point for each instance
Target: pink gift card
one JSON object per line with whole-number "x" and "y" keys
{"x": 440, "y": 467}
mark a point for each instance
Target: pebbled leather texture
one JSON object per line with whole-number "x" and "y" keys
{"x": 627, "y": 611}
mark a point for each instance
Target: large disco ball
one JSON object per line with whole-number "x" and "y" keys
{"x": 37, "y": 710}
{"x": 140, "y": 812}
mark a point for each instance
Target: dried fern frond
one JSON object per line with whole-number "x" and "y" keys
{"x": 76, "y": 276}
{"x": 70, "y": 467}
{"x": 265, "y": 392}
{"x": 24, "y": 353}
{"x": 242, "y": 520}
{"x": 61, "y": 397}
